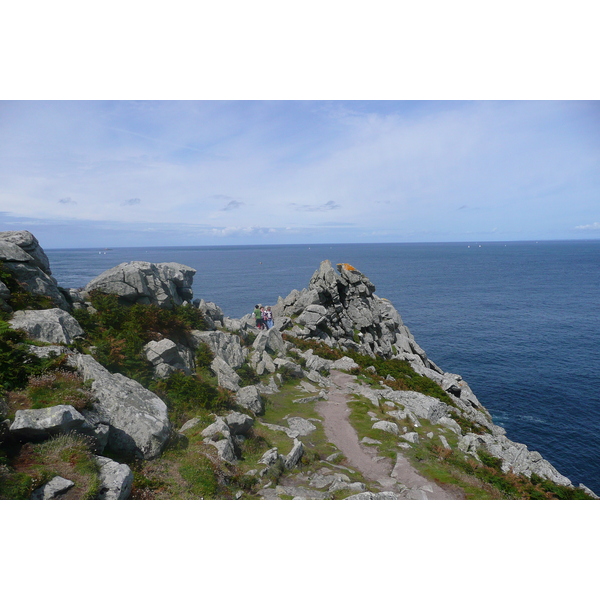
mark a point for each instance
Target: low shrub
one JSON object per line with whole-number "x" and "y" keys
{"x": 186, "y": 394}
{"x": 319, "y": 348}
{"x": 204, "y": 356}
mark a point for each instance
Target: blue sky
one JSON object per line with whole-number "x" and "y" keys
{"x": 125, "y": 173}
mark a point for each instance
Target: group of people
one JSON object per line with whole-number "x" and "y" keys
{"x": 263, "y": 316}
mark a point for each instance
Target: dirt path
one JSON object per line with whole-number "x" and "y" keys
{"x": 337, "y": 427}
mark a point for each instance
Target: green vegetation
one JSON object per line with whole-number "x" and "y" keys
{"x": 68, "y": 456}
{"x": 484, "y": 478}
{"x": 319, "y": 348}
{"x": 51, "y": 389}
{"x": 119, "y": 332}
{"x": 188, "y": 395}
{"x": 16, "y": 364}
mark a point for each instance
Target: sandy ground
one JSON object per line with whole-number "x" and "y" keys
{"x": 364, "y": 458}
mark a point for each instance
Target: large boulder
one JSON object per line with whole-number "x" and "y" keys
{"x": 42, "y": 423}
{"x": 138, "y": 422}
{"x": 52, "y": 325}
{"x": 163, "y": 284}
{"x": 22, "y": 256}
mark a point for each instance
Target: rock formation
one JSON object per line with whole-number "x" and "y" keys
{"x": 339, "y": 309}
{"x": 163, "y": 284}
{"x": 22, "y": 256}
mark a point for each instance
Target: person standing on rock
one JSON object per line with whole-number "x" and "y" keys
{"x": 258, "y": 316}
{"x": 268, "y": 317}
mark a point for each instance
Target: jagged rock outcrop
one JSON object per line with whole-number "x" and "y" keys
{"x": 341, "y": 309}
{"x": 52, "y": 325}
{"x": 23, "y": 256}
{"x": 516, "y": 457}
{"x": 164, "y": 284}
{"x": 224, "y": 345}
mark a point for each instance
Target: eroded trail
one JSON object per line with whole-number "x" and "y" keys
{"x": 400, "y": 478}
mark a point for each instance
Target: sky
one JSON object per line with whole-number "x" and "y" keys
{"x": 164, "y": 173}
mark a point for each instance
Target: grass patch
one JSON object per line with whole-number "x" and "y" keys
{"x": 68, "y": 456}
{"x": 51, "y": 389}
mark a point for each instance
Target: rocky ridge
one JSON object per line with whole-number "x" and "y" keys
{"x": 338, "y": 311}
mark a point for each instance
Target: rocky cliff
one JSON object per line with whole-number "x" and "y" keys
{"x": 151, "y": 395}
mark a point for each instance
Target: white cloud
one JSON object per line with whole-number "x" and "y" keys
{"x": 591, "y": 226}
{"x": 443, "y": 169}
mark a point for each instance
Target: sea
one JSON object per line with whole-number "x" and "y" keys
{"x": 519, "y": 321}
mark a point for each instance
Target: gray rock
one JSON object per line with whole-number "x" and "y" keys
{"x": 52, "y": 325}
{"x": 344, "y": 364}
{"x": 166, "y": 353}
{"x": 412, "y": 437}
{"x": 238, "y": 423}
{"x": 345, "y": 486}
{"x": 4, "y": 291}
{"x": 295, "y": 454}
{"x": 216, "y": 430}
{"x": 53, "y": 489}
{"x": 42, "y": 423}
{"x": 47, "y": 351}
{"x": 368, "y": 440}
{"x": 514, "y": 456}
{"x": 444, "y": 442}
{"x": 33, "y": 280}
{"x": 226, "y": 376}
{"x": 189, "y": 424}
{"x": 163, "y": 284}
{"x": 225, "y": 449}
{"x": 249, "y": 397}
{"x": 316, "y": 363}
{"x": 219, "y": 435}
{"x": 424, "y": 407}
{"x": 27, "y": 242}
{"x": 116, "y": 479}
{"x": 588, "y": 491}
{"x": 451, "y": 424}
{"x": 284, "y": 364}
{"x": 300, "y": 427}
{"x": 270, "y": 457}
{"x": 213, "y": 315}
{"x": 224, "y": 345}
{"x": 373, "y": 496}
{"x": 387, "y": 426}
{"x": 138, "y": 422}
